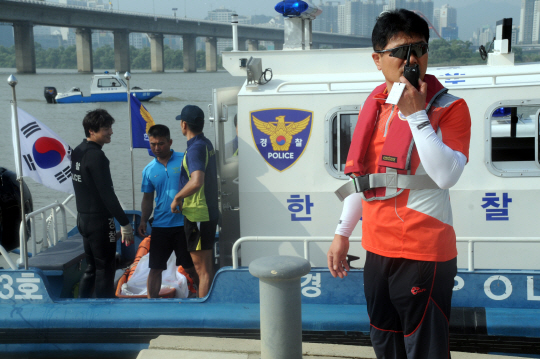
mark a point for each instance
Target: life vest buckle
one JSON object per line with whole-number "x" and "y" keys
{"x": 361, "y": 183}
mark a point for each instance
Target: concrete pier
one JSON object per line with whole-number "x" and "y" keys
{"x": 186, "y": 347}
{"x": 83, "y": 41}
{"x": 211, "y": 54}
{"x": 157, "y": 60}
{"x": 190, "y": 53}
{"x": 25, "y": 53}
{"x": 122, "y": 61}
{"x": 278, "y": 45}
{"x": 253, "y": 45}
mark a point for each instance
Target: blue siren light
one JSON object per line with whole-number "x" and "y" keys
{"x": 291, "y": 8}
{"x": 502, "y": 112}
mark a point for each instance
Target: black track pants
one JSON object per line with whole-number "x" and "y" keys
{"x": 99, "y": 239}
{"x": 409, "y": 306}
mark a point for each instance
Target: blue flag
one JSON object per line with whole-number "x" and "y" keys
{"x": 141, "y": 121}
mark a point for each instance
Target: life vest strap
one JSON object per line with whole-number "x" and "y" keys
{"x": 388, "y": 180}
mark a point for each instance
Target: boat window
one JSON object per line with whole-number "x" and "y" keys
{"x": 109, "y": 83}
{"x": 340, "y": 124}
{"x": 512, "y": 138}
{"x": 230, "y": 133}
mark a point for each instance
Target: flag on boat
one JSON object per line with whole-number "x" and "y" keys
{"x": 46, "y": 158}
{"x": 141, "y": 121}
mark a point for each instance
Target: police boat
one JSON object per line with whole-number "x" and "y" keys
{"x": 294, "y": 128}
{"x": 103, "y": 88}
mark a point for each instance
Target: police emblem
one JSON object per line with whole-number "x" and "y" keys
{"x": 281, "y": 135}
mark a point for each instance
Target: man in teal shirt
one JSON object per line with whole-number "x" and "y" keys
{"x": 162, "y": 177}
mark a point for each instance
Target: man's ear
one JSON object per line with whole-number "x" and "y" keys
{"x": 377, "y": 60}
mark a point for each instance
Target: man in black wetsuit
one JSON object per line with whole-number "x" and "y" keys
{"x": 97, "y": 206}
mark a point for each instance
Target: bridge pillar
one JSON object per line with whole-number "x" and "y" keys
{"x": 83, "y": 42}
{"x": 211, "y": 54}
{"x": 156, "y": 53}
{"x": 121, "y": 51}
{"x": 253, "y": 45}
{"x": 242, "y": 44}
{"x": 25, "y": 53}
{"x": 278, "y": 45}
{"x": 190, "y": 53}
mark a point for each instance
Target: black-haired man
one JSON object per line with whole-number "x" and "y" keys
{"x": 406, "y": 217}
{"x": 198, "y": 195}
{"x": 162, "y": 177}
{"x": 97, "y": 206}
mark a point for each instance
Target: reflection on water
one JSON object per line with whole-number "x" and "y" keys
{"x": 179, "y": 89}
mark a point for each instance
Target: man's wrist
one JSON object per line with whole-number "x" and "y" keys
{"x": 413, "y": 116}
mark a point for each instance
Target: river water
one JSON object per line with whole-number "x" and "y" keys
{"x": 179, "y": 89}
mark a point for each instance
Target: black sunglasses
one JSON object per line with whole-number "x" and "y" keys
{"x": 400, "y": 52}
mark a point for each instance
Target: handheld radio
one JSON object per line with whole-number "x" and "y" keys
{"x": 411, "y": 73}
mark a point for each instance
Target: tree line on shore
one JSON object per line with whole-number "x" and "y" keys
{"x": 441, "y": 53}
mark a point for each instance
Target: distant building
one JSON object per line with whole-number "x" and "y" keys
{"x": 535, "y": 36}
{"x": 102, "y": 38}
{"x": 345, "y": 19}
{"x": 357, "y": 17}
{"x": 328, "y": 20}
{"x": 515, "y": 34}
{"x": 447, "y": 17}
{"x": 48, "y": 37}
{"x": 486, "y": 36}
{"x": 139, "y": 40}
{"x": 449, "y": 33}
{"x": 445, "y": 21}
{"x": 366, "y": 17}
{"x": 225, "y": 15}
{"x": 527, "y": 20}
{"x": 425, "y": 8}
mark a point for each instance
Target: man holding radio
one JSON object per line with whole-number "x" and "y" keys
{"x": 410, "y": 145}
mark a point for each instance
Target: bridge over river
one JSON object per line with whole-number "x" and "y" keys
{"x": 24, "y": 14}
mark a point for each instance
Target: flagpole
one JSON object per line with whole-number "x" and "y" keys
{"x": 127, "y": 76}
{"x": 12, "y": 81}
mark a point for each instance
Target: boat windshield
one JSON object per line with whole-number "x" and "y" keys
{"x": 110, "y": 82}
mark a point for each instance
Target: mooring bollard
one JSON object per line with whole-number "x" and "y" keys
{"x": 281, "y": 307}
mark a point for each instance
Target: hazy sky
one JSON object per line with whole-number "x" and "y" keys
{"x": 471, "y": 13}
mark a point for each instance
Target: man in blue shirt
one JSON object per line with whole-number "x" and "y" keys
{"x": 162, "y": 176}
{"x": 198, "y": 196}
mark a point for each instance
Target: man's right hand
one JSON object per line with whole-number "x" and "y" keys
{"x": 337, "y": 256}
{"x": 176, "y": 205}
{"x": 142, "y": 229}
{"x": 127, "y": 234}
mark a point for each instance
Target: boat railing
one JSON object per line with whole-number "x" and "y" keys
{"x": 369, "y": 80}
{"x": 49, "y": 238}
{"x": 306, "y": 240}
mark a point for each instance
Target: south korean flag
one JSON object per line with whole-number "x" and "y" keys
{"x": 45, "y": 157}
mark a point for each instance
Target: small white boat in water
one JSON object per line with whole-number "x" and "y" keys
{"x": 106, "y": 88}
